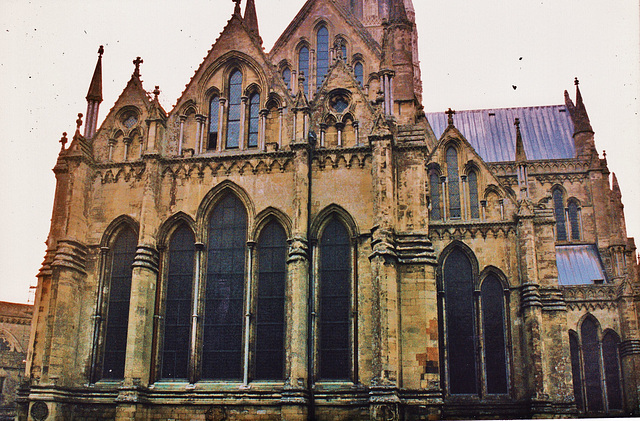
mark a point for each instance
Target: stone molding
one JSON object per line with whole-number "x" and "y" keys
{"x": 630, "y": 347}
{"x": 530, "y": 296}
{"x": 468, "y": 229}
{"x": 590, "y": 297}
{"x": 415, "y": 249}
{"x": 552, "y": 299}
{"x": 147, "y": 257}
{"x": 72, "y": 255}
{"x": 298, "y": 249}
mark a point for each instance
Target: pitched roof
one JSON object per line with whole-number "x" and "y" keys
{"x": 579, "y": 265}
{"x": 547, "y": 131}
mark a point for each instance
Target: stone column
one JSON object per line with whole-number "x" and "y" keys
{"x": 280, "y": 126}
{"x": 127, "y": 144}
{"x": 356, "y": 128}
{"x": 222, "y": 132}
{"x": 242, "y": 144}
{"x": 183, "y": 118}
{"x": 263, "y": 128}
{"x": 340, "y": 128}
{"x": 323, "y": 131}
{"x": 112, "y": 145}
{"x": 295, "y": 397}
{"x": 196, "y": 147}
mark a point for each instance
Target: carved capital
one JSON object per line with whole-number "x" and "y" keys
{"x": 298, "y": 249}
{"x": 71, "y": 255}
{"x": 629, "y": 347}
{"x": 530, "y": 296}
{"x": 147, "y": 257}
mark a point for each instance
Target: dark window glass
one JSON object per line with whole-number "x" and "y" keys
{"x": 458, "y": 287}
{"x": 591, "y": 355}
{"x": 335, "y": 303}
{"x": 495, "y": 358}
{"x": 286, "y": 76}
{"x": 214, "y": 119}
{"x": 434, "y": 182}
{"x": 558, "y": 207}
{"x": 610, "y": 346}
{"x": 574, "y": 220}
{"x": 222, "y": 344}
{"x": 473, "y": 195}
{"x": 177, "y": 319}
{"x": 358, "y": 70}
{"x": 322, "y": 55}
{"x": 575, "y": 369}
{"x": 115, "y": 343}
{"x": 454, "y": 183}
{"x": 303, "y": 68}
{"x": 343, "y": 50}
{"x": 235, "y": 104}
{"x": 270, "y": 322}
{"x": 254, "y": 119}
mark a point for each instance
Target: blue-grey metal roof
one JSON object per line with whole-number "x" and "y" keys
{"x": 579, "y": 265}
{"x": 547, "y": 131}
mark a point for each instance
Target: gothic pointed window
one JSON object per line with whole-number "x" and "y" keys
{"x": 358, "y": 70}
{"x": 235, "y": 106}
{"x": 460, "y": 326}
{"x": 223, "y": 303}
{"x": 574, "y": 219}
{"x": 611, "y": 360}
{"x": 453, "y": 183}
{"x": 177, "y": 318}
{"x": 322, "y": 64}
{"x": 303, "y": 68}
{"x": 592, "y": 365}
{"x": 286, "y": 77}
{"x": 493, "y": 322}
{"x": 115, "y": 343}
{"x": 343, "y": 50}
{"x": 434, "y": 186}
{"x": 334, "y": 351}
{"x": 576, "y": 370}
{"x": 270, "y": 315}
{"x": 474, "y": 205}
{"x": 254, "y": 119}
{"x": 558, "y": 208}
{"x": 214, "y": 121}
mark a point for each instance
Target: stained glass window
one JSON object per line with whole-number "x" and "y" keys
{"x": 343, "y": 50}
{"x": 115, "y": 346}
{"x": 574, "y": 220}
{"x": 558, "y": 207}
{"x": 286, "y": 76}
{"x": 177, "y": 319}
{"x": 495, "y": 358}
{"x": 574, "y": 346}
{"x": 322, "y": 55}
{"x": 254, "y": 119}
{"x": 235, "y": 104}
{"x": 270, "y": 316}
{"x": 358, "y": 70}
{"x": 303, "y": 68}
{"x": 610, "y": 354}
{"x": 454, "y": 183}
{"x": 223, "y": 314}
{"x": 434, "y": 186}
{"x": 214, "y": 119}
{"x": 472, "y": 179}
{"x": 458, "y": 291}
{"x": 335, "y": 303}
{"x": 591, "y": 356}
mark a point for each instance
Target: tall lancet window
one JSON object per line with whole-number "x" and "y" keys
{"x": 334, "y": 351}
{"x": 303, "y": 68}
{"x": 591, "y": 352}
{"x": 574, "y": 219}
{"x": 454, "y": 183}
{"x": 611, "y": 360}
{"x": 286, "y": 77}
{"x": 460, "y": 325}
{"x": 358, "y": 70}
{"x": 223, "y": 312}
{"x": 474, "y": 207}
{"x": 270, "y": 316}
{"x": 434, "y": 186}
{"x": 322, "y": 55}
{"x": 115, "y": 343}
{"x": 214, "y": 121}
{"x": 177, "y": 318}
{"x": 493, "y": 322}
{"x": 558, "y": 207}
{"x": 235, "y": 105}
{"x": 254, "y": 119}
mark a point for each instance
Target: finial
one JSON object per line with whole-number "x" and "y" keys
{"x": 604, "y": 154}
{"x": 576, "y": 82}
{"x": 301, "y": 78}
{"x": 450, "y": 114}
{"x": 137, "y": 62}
{"x": 237, "y": 10}
{"x": 79, "y": 121}
{"x": 101, "y": 51}
{"x": 156, "y": 92}
{"x": 63, "y": 141}
{"x": 517, "y": 123}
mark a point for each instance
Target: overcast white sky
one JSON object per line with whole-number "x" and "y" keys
{"x": 470, "y": 52}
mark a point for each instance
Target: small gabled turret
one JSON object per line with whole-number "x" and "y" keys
{"x": 583, "y": 132}
{"x": 251, "y": 19}
{"x": 94, "y": 98}
{"x": 521, "y": 160}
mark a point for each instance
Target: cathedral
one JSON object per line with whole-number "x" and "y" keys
{"x": 297, "y": 239}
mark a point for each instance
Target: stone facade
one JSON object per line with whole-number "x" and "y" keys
{"x": 15, "y": 321}
{"x": 420, "y": 278}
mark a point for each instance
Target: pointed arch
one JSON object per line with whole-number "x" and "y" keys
{"x": 612, "y": 370}
{"x": 213, "y": 197}
{"x": 11, "y": 340}
{"x": 576, "y": 369}
{"x": 558, "y": 194}
{"x": 170, "y": 224}
{"x": 321, "y": 219}
{"x": 266, "y": 216}
{"x": 114, "y": 228}
{"x": 590, "y": 334}
{"x": 322, "y": 53}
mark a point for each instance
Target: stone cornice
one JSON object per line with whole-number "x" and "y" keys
{"x": 591, "y": 297}
{"x": 469, "y": 229}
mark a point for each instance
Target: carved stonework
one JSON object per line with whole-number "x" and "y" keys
{"x": 147, "y": 257}
{"x": 590, "y": 297}
{"x": 72, "y": 255}
{"x": 298, "y": 249}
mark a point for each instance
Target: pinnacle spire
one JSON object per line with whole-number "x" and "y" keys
{"x": 94, "y": 97}
{"x": 397, "y": 11}
{"x": 251, "y": 17}
{"x": 579, "y": 112}
{"x": 521, "y": 155}
{"x": 614, "y": 183}
{"x": 236, "y": 10}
